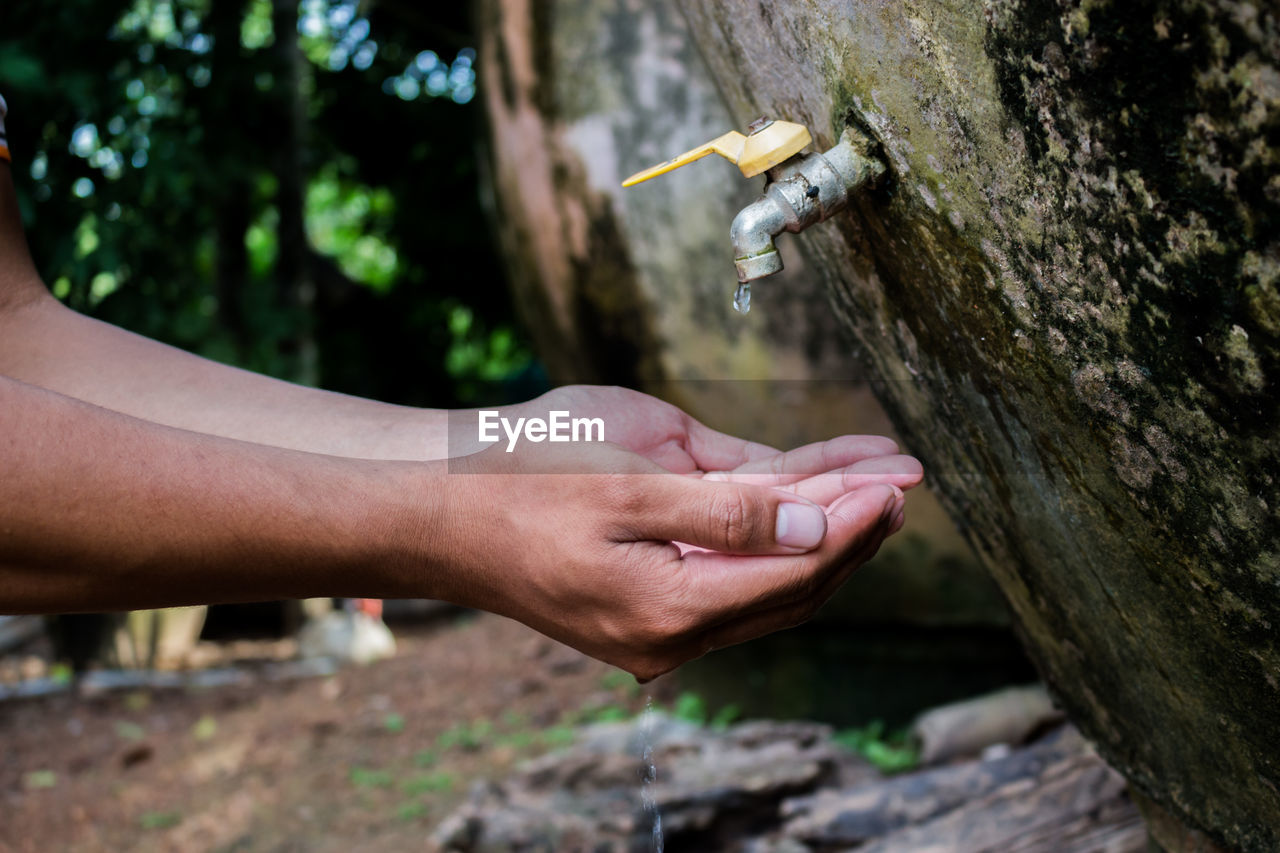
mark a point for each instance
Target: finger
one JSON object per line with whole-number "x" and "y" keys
{"x": 717, "y": 451}
{"x": 788, "y": 615}
{"x": 897, "y": 522}
{"x": 729, "y": 518}
{"x": 811, "y": 459}
{"x": 905, "y": 472}
{"x": 729, "y": 586}
{"x": 672, "y": 456}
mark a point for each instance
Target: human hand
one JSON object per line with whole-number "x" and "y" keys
{"x": 664, "y": 434}
{"x": 578, "y": 542}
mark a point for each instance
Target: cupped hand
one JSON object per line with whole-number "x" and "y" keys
{"x": 669, "y": 437}
{"x": 578, "y": 542}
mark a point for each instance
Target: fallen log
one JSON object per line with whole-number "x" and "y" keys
{"x": 1076, "y": 806}
{"x": 871, "y": 810}
{"x": 1007, "y": 716}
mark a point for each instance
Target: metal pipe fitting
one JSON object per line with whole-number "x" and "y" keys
{"x": 801, "y": 192}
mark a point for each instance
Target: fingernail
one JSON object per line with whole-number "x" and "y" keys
{"x": 895, "y": 502}
{"x": 800, "y": 525}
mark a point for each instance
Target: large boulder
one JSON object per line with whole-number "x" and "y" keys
{"x": 1071, "y": 285}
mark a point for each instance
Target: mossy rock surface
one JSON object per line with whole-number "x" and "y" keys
{"x": 1070, "y": 287}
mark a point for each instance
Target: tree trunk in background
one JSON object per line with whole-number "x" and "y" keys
{"x": 635, "y": 287}
{"x": 291, "y": 271}
{"x": 1072, "y": 285}
{"x": 224, "y": 141}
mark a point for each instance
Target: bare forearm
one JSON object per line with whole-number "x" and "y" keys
{"x": 45, "y": 344}
{"x": 100, "y": 511}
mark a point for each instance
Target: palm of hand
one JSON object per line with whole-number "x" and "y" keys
{"x": 821, "y": 472}
{"x": 658, "y": 431}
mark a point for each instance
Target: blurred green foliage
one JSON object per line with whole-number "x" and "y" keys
{"x": 470, "y": 736}
{"x": 159, "y": 820}
{"x": 288, "y": 186}
{"x": 364, "y": 777}
{"x": 891, "y": 752}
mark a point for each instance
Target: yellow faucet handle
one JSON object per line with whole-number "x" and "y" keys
{"x": 768, "y": 144}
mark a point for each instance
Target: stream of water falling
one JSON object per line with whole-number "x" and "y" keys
{"x": 742, "y": 298}
{"x": 649, "y": 774}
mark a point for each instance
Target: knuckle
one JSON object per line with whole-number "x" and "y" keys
{"x": 622, "y": 491}
{"x": 735, "y": 519}
{"x": 778, "y": 464}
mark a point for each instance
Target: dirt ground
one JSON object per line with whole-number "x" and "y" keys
{"x": 370, "y": 758}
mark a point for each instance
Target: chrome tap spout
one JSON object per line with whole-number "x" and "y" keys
{"x": 801, "y": 192}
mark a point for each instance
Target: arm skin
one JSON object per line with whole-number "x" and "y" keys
{"x": 101, "y": 511}
{"x": 134, "y": 475}
{"x": 44, "y": 343}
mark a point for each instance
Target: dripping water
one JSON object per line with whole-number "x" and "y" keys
{"x": 742, "y": 298}
{"x": 649, "y": 774}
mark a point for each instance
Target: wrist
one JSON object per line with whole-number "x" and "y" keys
{"x": 402, "y": 541}
{"x": 419, "y": 435}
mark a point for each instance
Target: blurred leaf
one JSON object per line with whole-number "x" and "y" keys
{"x": 428, "y": 783}
{"x": 61, "y": 673}
{"x": 152, "y": 153}
{"x": 127, "y": 730}
{"x": 468, "y": 736}
{"x": 891, "y": 754}
{"x": 689, "y": 706}
{"x": 20, "y": 69}
{"x": 514, "y": 719}
{"x": 37, "y": 779}
{"x": 725, "y": 716}
{"x": 363, "y": 777}
{"x": 558, "y": 736}
{"x": 410, "y": 811}
{"x": 205, "y": 728}
{"x": 516, "y": 740}
{"x": 159, "y": 820}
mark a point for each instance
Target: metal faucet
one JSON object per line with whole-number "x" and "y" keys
{"x": 801, "y": 189}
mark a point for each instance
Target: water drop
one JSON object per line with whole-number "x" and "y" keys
{"x": 649, "y": 772}
{"x": 742, "y": 298}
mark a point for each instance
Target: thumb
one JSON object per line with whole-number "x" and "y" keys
{"x": 732, "y": 518}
